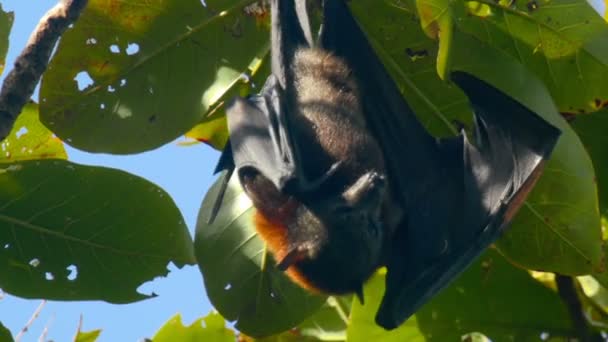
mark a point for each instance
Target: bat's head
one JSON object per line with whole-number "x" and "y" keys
{"x": 335, "y": 242}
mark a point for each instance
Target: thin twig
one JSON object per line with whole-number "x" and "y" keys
{"x": 20, "y": 83}
{"x": 31, "y": 321}
{"x": 45, "y": 331}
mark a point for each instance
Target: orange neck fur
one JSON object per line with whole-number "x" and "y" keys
{"x": 274, "y": 233}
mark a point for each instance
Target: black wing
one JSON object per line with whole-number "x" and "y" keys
{"x": 457, "y": 196}
{"x": 260, "y": 134}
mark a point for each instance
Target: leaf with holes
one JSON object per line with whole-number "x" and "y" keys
{"x": 564, "y": 42}
{"x": 29, "y": 139}
{"x": 209, "y": 328}
{"x": 133, "y": 75}
{"x": 73, "y": 232}
{"x": 240, "y": 275}
{"x": 492, "y": 297}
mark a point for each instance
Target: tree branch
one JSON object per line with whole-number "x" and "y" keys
{"x": 30, "y": 321}
{"x": 20, "y": 83}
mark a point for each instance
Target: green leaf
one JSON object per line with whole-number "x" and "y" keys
{"x": 87, "y": 336}
{"x": 73, "y": 232}
{"x": 212, "y": 132}
{"x": 329, "y": 323}
{"x": 211, "y": 328}
{"x": 564, "y": 42}
{"x": 29, "y": 139}
{"x": 5, "y": 334}
{"x": 362, "y": 325}
{"x": 6, "y": 23}
{"x": 595, "y": 291}
{"x": 156, "y": 68}
{"x": 239, "y": 273}
{"x": 592, "y": 129}
{"x": 492, "y": 297}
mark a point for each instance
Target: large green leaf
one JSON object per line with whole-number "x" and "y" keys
{"x": 564, "y": 42}
{"x": 211, "y": 328}
{"x": 492, "y": 297}
{"x": 592, "y": 129}
{"x": 6, "y": 23}
{"x": 239, "y": 273}
{"x": 362, "y": 326}
{"x": 73, "y": 232}
{"x": 156, "y": 68}
{"x": 328, "y": 324}
{"x": 29, "y": 139}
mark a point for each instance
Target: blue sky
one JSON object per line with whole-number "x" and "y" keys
{"x": 184, "y": 172}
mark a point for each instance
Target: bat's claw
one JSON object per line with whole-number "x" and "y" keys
{"x": 368, "y": 188}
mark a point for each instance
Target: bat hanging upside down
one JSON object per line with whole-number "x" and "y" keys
{"x": 345, "y": 179}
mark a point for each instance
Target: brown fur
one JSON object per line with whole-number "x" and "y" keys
{"x": 335, "y": 231}
{"x": 328, "y": 97}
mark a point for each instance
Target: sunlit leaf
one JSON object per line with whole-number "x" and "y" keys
{"x": 133, "y": 75}
{"x": 492, "y": 297}
{"x": 87, "y": 336}
{"x": 564, "y": 42}
{"x": 213, "y": 132}
{"x": 29, "y": 139}
{"x": 211, "y": 328}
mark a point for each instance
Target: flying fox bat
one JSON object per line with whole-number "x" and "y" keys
{"x": 345, "y": 179}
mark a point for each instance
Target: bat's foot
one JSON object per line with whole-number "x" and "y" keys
{"x": 369, "y": 189}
